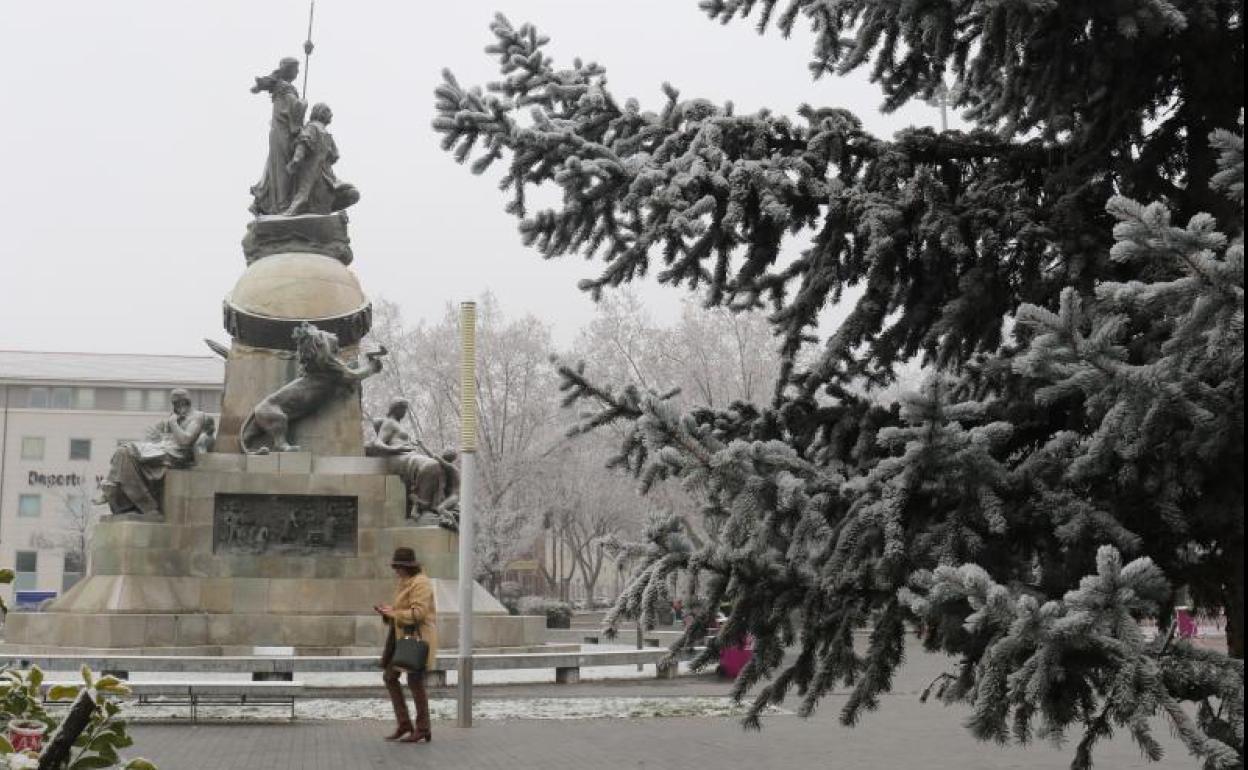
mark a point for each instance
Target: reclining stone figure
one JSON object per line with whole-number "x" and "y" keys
{"x": 136, "y": 472}
{"x": 432, "y": 481}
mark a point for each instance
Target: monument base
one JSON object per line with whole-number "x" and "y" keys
{"x": 240, "y": 634}
{"x": 281, "y": 550}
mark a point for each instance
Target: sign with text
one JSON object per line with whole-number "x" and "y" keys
{"x": 58, "y": 480}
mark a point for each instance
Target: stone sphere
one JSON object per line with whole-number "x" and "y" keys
{"x": 300, "y": 286}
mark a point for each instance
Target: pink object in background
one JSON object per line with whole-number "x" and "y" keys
{"x": 1187, "y": 624}
{"x": 733, "y": 659}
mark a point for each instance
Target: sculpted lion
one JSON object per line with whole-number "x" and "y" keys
{"x": 322, "y": 378}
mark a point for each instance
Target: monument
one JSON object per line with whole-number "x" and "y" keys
{"x": 276, "y": 528}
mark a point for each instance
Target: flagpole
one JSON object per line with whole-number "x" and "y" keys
{"x": 307, "y": 49}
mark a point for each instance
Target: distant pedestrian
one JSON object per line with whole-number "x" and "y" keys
{"x": 413, "y": 611}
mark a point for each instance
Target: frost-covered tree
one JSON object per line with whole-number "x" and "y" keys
{"x": 1155, "y": 366}
{"x": 1012, "y": 482}
{"x": 713, "y": 355}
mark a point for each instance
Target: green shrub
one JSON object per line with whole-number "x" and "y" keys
{"x": 100, "y": 732}
{"x": 558, "y": 614}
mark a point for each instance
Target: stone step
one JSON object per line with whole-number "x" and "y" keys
{"x": 303, "y": 631}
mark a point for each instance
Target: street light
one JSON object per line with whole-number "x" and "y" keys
{"x": 467, "y": 500}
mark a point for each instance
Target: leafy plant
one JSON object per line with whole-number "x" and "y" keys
{"x": 89, "y": 736}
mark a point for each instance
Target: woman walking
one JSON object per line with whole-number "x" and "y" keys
{"x": 412, "y": 612}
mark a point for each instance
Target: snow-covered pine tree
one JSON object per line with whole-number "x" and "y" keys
{"x": 1156, "y": 365}
{"x": 1082, "y": 659}
{"x": 825, "y": 512}
{"x": 949, "y": 230}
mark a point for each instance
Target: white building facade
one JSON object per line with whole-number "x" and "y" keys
{"x": 61, "y": 416}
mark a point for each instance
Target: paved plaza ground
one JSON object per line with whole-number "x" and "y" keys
{"x": 904, "y": 733}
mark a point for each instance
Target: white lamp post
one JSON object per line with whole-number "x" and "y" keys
{"x": 467, "y": 495}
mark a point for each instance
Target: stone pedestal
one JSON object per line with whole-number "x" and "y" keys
{"x": 270, "y": 299}
{"x": 207, "y": 578}
{"x": 253, "y": 373}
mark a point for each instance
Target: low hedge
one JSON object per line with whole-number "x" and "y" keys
{"x": 558, "y": 614}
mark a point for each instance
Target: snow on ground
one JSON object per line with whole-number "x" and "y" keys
{"x": 512, "y": 676}
{"x": 444, "y": 709}
{"x": 487, "y": 708}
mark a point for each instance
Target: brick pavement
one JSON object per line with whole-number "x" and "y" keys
{"x": 903, "y": 734}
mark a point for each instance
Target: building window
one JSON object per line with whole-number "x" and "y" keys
{"x": 84, "y": 398}
{"x": 29, "y": 506}
{"x": 157, "y": 401}
{"x": 37, "y": 398}
{"x": 32, "y": 447}
{"x": 80, "y": 449}
{"x": 132, "y": 400}
{"x": 74, "y": 567}
{"x": 210, "y": 401}
{"x": 27, "y": 569}
{"x": 62, "y": 398}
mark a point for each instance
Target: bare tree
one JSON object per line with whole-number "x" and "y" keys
{"x": 517, "y": 401}
{"x": 585, "y": 504}
{"x": 501, "y": 537}
{"x": 718, "y": 356}
{"x": 715, "y": 356}
{"x": 78, "y": 517}
{"x": 537, "y": 489}
{"x": 556, "y": 567}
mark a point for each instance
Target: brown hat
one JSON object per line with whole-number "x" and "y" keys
{"x": 404, "y": 557}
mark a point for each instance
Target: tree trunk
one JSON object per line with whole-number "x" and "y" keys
{"x": 1234, "y": 592}
{"x": 589, "y": 588}
{"x": 56, "y": 755}
{"x": 1210, "y": 85}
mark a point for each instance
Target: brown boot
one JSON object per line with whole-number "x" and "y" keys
{"x": 401, "y": 715}
{"x": 420, "y": 696}
{"x": 403, "y": 733}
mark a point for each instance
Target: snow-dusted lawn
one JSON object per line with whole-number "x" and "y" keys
{"x": 483, "y": 708}
{"x": 444, "y": 709}
{"x": 514, "y": 676}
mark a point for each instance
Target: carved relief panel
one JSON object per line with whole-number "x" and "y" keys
{"x": 285, "y": 525}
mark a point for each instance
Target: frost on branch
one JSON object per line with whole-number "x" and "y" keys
{"x": 1082, "y": 660}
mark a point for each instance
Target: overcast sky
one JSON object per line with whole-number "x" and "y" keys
{"x": 130, "y": 142}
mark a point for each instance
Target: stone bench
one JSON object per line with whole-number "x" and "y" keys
{"x": 568, "y": 665}
{"x": 265, "y": 669}
{"x": 196, "y": 694}
{"x": 596, "y": 636}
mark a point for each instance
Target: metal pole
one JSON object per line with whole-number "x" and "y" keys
{"x": 307, "y": 50}
{"x": 640, "y": 642}
{"x": 467, "y": 501}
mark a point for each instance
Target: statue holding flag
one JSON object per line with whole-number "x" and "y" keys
{"x": 273, "y": 192}
{"x": 299, "y": 203}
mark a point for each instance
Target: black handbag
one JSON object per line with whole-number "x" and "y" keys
{"x": 411, "y": 654}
